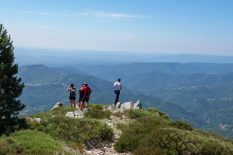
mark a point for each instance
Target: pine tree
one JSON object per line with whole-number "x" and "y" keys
{"x": 10, "y": 85}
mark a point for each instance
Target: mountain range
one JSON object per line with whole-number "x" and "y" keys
{"x": 199, "y": 93}
{"x": 45, "y": 86}
{"x": 59, "y": 57}
{"x": 203, "y": 90}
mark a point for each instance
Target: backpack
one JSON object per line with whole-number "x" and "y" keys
{"x": 89, "y": 91}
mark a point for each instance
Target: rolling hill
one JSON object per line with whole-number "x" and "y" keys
{"x": 203, "y": 90}
{"x": 45, "y": 86}
{"x": 203, "y": 99}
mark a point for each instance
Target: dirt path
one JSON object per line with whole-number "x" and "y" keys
{"x": 108, "y": 149}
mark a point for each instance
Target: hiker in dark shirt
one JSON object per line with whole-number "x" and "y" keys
{"x": 81, "y": 96}
{"x": 84, "y": 98}
{"x": 72, "y": 96}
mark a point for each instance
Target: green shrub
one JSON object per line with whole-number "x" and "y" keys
{"x": 130, "y": 138}
{"x": 152, "y": 133}
{"x": 135, "y": 131}
{"x": 171, "y": 141}
{"x": 215, "y": 148}
{"x": 157, "y": 112}
{"x": 97, "y": 112}
{"x": 135, "y": 114}
{"x": 27, "y": 142}
{"x": 151, "y": 123}
{"x": 45, "y": 116}
{"x": 145, "y": 150}
{"x": 118, "y": 114}
{"x": 127, "y": 143}
{"x": 181, "y": 125}
{"x": 77, "y": 130}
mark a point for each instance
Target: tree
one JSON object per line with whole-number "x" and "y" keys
{"x": 11, "y": 86}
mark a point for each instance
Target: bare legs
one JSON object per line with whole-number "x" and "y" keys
{"x": 72, "y": 103}
{"x": 82, "y": 105}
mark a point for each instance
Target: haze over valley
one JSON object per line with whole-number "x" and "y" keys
{"x": 196, "y": 92}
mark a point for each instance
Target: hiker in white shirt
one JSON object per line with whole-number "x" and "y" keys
{"x": 117, "y": 86}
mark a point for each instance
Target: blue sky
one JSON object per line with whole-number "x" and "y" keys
{"x": 158, "y": 26}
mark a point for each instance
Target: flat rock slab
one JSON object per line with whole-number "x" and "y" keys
{"x": 75, "y": 114}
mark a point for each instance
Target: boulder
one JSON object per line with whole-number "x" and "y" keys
{"x": 137, "y": 105}
{"x": 122, "y": 110}
{"x": 57, "y": 105}
{"x": 70, "y": 114}
{"x": 37, "y": 120}
{"x": 29, "y": 119}
{"x": 78, "y": 114}
{"x": 85, "y": 110}
{"x": 118, "y": 105}
{"x": 111, "y": 108}
{"x": 157, "y": 114}
{"x": 75, "y": 114}
{"x": 33, "y": 120}
{"x": 127, "y": 105}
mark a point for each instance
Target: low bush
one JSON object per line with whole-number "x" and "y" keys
{"x": 158, "y": 113}
{"x": 45, "y": 116}
{"x": 215, "y": 148}
{"x": 135, "y": 131}
{"x": 129, "y": 140}
{"x": 77, "y": 130}
{"x": 135, "y": 114}
{"x": 171, "y": 141}
{"x": 27, "y": 142}
{"x": 182, "y": 125}
{"x": 97, "y": 112}
{"x": 151, "y": 133}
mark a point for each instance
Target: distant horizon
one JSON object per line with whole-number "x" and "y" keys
{"x": 120, "y": 52}
{"x": 27, "y": 56}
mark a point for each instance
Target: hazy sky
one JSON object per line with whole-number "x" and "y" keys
{"x": 159, "y": 26}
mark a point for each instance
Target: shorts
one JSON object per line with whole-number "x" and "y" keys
{"x": 80, "y": 98}
{"x": 85, "y": 99}
{"x": 72, "y": 98}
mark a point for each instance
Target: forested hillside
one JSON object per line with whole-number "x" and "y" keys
{"x": 203, "y": 90}
{"x": 196, "y": 93}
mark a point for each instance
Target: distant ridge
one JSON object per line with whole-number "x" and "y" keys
{"x": 27, "y": 56}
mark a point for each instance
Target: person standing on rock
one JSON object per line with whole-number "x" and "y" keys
{"x": 81, "y": 96}
{"x": 72, "y": 96}
{"x": 117, "y": 86}
{"x": 86, "y": 91}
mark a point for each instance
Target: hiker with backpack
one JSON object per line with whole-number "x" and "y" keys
{"x": 72, "y": 96}
{"x": 81, "y": 95}
{"x": 117, "y": 86}
{"x": 85, "y": 92}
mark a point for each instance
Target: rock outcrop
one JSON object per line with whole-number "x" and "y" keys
{"x": 124, "y": 106}
{"x": 57, "y": 105}
{"x": 33, "y": 120}
{"x": 137, "y": 105}
{"x": 127, "y": 105}
{"x": 75, "y": 114}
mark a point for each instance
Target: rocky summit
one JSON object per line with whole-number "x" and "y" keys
{"x": 124, "y": 129}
